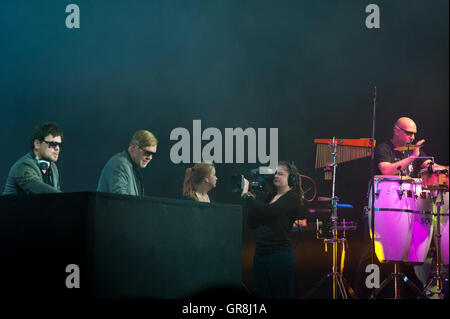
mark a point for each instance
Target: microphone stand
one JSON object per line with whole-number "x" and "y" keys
{"x": 372, "y": 175}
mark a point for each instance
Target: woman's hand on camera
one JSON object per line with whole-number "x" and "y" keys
{"x": 245, "y": 188}
{"x": 300, "y": 223}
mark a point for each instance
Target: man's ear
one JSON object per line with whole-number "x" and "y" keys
{"x": 133, "y": 146}
{"x": 36, "y": 144}
{"x": 395, "y": 130}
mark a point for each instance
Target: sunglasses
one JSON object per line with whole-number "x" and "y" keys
{"x": 53, "y": 144}
{"x": 147, "y": 153}
{"x": 405, "y": 131}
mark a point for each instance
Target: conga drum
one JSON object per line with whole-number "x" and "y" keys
{"x": 398, "y": 208}
{"x": 434, "y": 178}
{"x": 422, "y": 232}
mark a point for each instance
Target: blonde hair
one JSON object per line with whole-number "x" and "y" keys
{"x": 194, "y": 176}
{"x": 144, "y": 138}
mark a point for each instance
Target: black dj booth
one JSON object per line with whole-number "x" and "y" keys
{"x": 117, "y": 246}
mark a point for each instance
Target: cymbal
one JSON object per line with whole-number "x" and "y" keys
{"x": 407, "y": 148}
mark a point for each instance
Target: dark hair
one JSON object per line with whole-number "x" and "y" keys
{"x": 294, "y": 179}
{"x": 43, "y": 130}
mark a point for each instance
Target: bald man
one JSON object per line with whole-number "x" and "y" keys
{"x": 391, "y": 162}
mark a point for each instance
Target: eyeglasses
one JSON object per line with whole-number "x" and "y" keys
{"x": 53, "y": 144}
{"x": 405, "y": 131}
{"x": 147, "y": 153}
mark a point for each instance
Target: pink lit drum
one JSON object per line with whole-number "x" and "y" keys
{"x": 444, "y": 210}
{"x": 436, "y": 179}
{"x": 422, "y": 234}
{"x": 399, "y": 210}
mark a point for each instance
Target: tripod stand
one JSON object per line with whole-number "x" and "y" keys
{"x": 339, "y": 283}
{"x": 437, "y": 275}
{"x": 399, "y": 277}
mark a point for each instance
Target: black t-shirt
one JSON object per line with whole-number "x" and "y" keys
{"x": 48, "y": 177}
{"x": 385, "y": 153}
{"x": 275, "y": 221}
{"x": 188, "y": 197}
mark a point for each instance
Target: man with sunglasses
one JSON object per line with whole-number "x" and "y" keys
{"x": 121, "y": 174}
{"x": 389, "y": 161}
{"x": 36, "y": 172}
{"x": 392, "y": 162}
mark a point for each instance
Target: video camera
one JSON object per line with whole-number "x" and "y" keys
{"x": 260, "y": 180}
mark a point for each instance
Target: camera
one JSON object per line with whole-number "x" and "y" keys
{"x": 260, "y": 180}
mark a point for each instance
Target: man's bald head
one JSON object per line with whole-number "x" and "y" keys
{"x": 406, "y": 124}
{"x": 404, "y": 131}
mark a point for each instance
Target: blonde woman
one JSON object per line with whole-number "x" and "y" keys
{"x": 198, "y": 181}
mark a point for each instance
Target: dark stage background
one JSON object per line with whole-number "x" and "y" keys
{"x": 307, "y": 68}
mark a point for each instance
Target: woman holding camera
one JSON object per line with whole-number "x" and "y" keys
{"x": 273, "y": 262}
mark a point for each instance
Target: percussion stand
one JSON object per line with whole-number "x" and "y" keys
{"x": 338, "y": 279}
{"x": 437, "y": 275}
{"x": 396, "y": 275}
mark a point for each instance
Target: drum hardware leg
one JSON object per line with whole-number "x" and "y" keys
{"x": 399, "y": 277}
{"x": 317, "y": 286}
{"x": 437, "y": 277}
{"x": 346, "y": 286}
{"x": 340, "y": 287}
{"x": 340, "y": 283}
{"x": 396, "y": 295}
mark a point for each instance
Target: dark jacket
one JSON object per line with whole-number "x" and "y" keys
{"x": 25, "y": 177}
{"x": 119, "y": 176}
